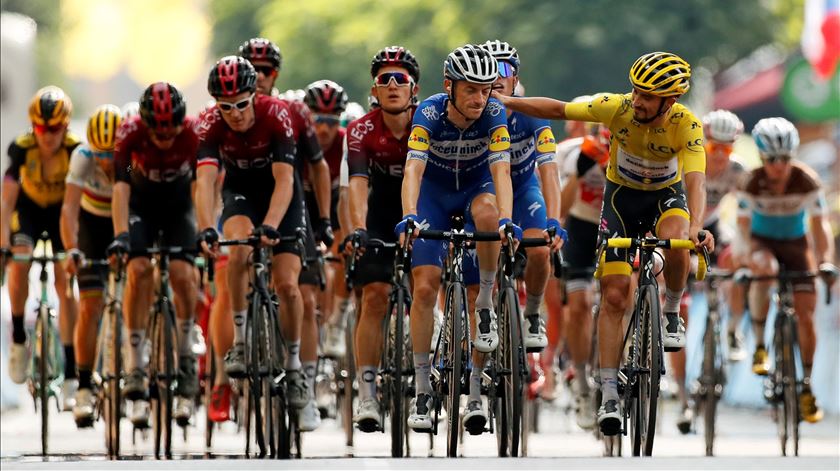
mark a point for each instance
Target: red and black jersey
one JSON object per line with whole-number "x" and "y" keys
{"x": 373, "y": 152}
{"x": 308, "y": 149}
{"x": 247, "y": 156}
{"x": 333, "y": 155}
{"x": 156, "y": 175}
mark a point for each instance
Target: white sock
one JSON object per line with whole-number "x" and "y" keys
{"x": 239, "y": 326}
{"x": 367, "y": 382}
{"x": 293, "y": 357}
{"x": 609, "y": 384}
{"x": 136, "y": 339}
{"x": 485, "y": 289}
{"x": 185, "y": 327}
{"x": 672, "y": 301}
{"x": 309, "y": 369}
{"x": 533, "y": 303}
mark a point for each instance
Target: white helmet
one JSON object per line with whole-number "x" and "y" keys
{"x": 722, "y": 126}
{"x": 353, "y": 112}
{"x": 776, "y": 136}
{"x": 132, "y": 108}
{"x": 502, "y": 51}
{"x": 471, "y": 63}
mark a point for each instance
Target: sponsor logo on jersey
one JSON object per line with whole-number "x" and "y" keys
{"x": 545, "y": 141}
{"x": 419, "y": 139}
{"x": 500, "y": 139}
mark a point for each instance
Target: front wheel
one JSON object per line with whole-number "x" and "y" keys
{"x": 43, "y": 338}
{"x": 454, "y": 367}
{"x": 650, "y": 363}
{"x": 709, "y": 384}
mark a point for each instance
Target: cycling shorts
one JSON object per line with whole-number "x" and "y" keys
{"x": 176, "y": 229}
{"x": 255, "y": 207}
{"x": 29, "y": 220}
{"x": 793, "y": 255}
{"x": 376, "y": 265}
{"x": 580, "y": 250}
{"x": 95, "y": 234}
{"x": 312, "y": 274}
{"x": 529, "y": 205}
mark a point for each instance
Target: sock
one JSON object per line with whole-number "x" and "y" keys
{"x": 136, "y": 339}
{"x": 221, "y": 377}
{"x": 18, "y": 331}
{"x": 184, "y": 330}
{"x": 69, "y": 362}
{"x": 422, "y": 373}
{"x": 293, "y": 357}
{"x": 239, "y": 326}
{"x": 609, "y": 384}
{"x": 475, "y": 384}
{"x": 367, "y": 382}
{"x": 533, "y": 304}
{"x": 672, "y": 301}
{"x": 309, "y": 369}
{"x": 340, "y": 308}
{"x": 485, "y": 289}
{"x": 581, "y": 379}
{"x": 85, "y": 375}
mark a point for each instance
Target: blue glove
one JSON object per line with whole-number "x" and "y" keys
{"x": 517, "y": 231}
{"x": 400, "y": 227}
{"x": 558, "y": 231}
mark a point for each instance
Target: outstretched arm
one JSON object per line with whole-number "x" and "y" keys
{"x": 539, "y": 107}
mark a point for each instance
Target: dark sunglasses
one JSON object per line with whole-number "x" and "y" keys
{"x": 506, "y": 69}
{"x": 327, "y": 119}
{"x": 264, "y": 69}
{"x": 772, "y": 159}
{"x": 402, "y": 79}
{"x": 43, "y": 129}
{"x": 240, "y": 105}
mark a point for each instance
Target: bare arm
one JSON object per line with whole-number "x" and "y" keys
{"x": 119, "y": 207}
{"x": 567, "y": 196}
{"x": 319, "y": 177}
{"x": 358, "y": 193}
{"x": 823, "y": 242}
{"x": 504, "y": 188}
{"x": 695, "y": 188}
{"x": 205, "y": 195}
{"x": 539, "y": 107}
{"x": 550, "y": 181}
{"x": 282, "y": 195}
{"x": 344, "y": 207}
{"x": 69, "y": 222}
{"x": 413, "y": 173}
{"x": 11, "y": 189}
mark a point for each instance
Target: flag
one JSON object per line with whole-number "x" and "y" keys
{"x": 821, "y": 36}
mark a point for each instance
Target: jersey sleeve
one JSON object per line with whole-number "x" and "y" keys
{"x": 122, "y": 151}
{"x": 356, "y": 150}
{"x": 282, "y": 140}
{"x": 208, "y": 146}
{"x": 692, "y": 153}
{"x": 600, "y": 109}
{"x": 307, "y": 142}
{"x": 546, "y": 145}
{"x": 422, "y": 126}
{"x": 81, "y": 166}
{"x": 499, "y": 148}
{"x": 17, "y": 158}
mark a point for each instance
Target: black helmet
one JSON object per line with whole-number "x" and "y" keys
{"x": 230, "y": 76}
{"x": 263, "y": 50}
{"x": 162, "y": 106}
{"x": 325, "y": 96}
{"x": 395, "y": 55}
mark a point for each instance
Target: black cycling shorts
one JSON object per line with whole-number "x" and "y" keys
{"x": 627, "y": 212}
{"x": 29, "y": 220}
{"x": 174, "y": 229}
{"x": 375, "y": 265}
{"x": 95, "y": 234}
{"x": 581, "y": 249}
{"x": 255, "y": 205}
{"x": 312, "y": 274}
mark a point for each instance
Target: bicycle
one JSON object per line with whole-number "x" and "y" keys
{"x": 638, "y": 378}
{"x": 46, "y": 372}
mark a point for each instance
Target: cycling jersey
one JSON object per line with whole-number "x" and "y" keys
{"x": 160, "y": 179}
{"x": 333, "y": 156}
{"x": 94, "y": 173}
{"x": 531, "y": 145}
{"x": 781, "y": 216}
{"x": 720, "y": 186}
{"x": 586, "y": 162}
{"x": 26, "y": 168}
{"x": 457, "y": 159}
{"x": 645, "y": 157}
{"x": 375, "y": 154}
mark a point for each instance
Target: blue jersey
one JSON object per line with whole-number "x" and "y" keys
{"x": 531, "y": 144}
{"x": 457, "y": 159}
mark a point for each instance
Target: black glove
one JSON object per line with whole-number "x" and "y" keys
{"x": 360, "y": 237}
{"x": 269, "y": 232}
{"x": 120, "y": 246}
{"x": 209, "y": 236}
{"x": 324, "y": 232}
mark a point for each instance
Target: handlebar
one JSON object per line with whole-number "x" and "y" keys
{"x": 652, "y": 243}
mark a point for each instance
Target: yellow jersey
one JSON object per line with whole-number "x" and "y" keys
{"x": 26, "y": 168}
{"x": 642, "y": 156}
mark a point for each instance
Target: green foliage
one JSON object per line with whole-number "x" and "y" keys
{"x": 47, "y": 16}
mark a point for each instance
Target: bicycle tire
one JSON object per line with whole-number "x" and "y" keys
{"x": 499, "y": 399}
{"x": 209, "y": 381}
{"x": 168, "y": 364}
{"x": 396, "y": 365}
{"x": 252, "y": 355}
{"x": 454, "y": 372}
{"x": 514, "y": 393}
{"x": 115, "y": 400}
{"x": 791, "y": 393}
{"x": 650, "y": 361}
{"x": 42, "y": 333}
{"x": 267, "y": 378}
{"x": 708, "y": 384}
{"x": 348, "y": 377}
{"x": 777, "y": 384}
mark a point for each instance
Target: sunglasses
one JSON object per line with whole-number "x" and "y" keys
{"x": 772, "y": 159}
{"x": 712, "y": 147}
{"x": 506, "y": 69}
{"x": 43, "y": 129}
{"x": 240, "y": 105}
{"x": 401, "y": 79}
{"x": 264, "y": 69}
{"x": 328, "y": 119}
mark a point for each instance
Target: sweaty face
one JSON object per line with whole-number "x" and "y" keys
{"x": 392, "y": 97}
{"x": 645, "y": 105}
{"x": 237, "y": 110}
{"x": 471, "y": 98}
{"x": 505, "y": 85}
{"x": 266, "y": 76}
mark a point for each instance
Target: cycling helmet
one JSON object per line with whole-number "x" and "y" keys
{"x": 472, "y": 64}
{"x": 261, "y": 49}
{"x": 292, "y": 95}
{"x": 395, "y": 55}
{"x": 50, "y": 107}
{"x": 132, "y": 108}
{"x": 353, "y": 112}
{"x": 102, "y": 128}
{"x": 502, "y": 51}
{"x": 722, "y": 126}
{"x": 776, "y": 136}
{"x": 230, "y": 76}
{"x": 661, "y": 74}
{"x": 325, "y": 96}
{"x": 162, "y": 106}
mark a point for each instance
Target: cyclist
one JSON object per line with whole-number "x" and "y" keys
{"x": 377, "y": 145}
{"x": 86, "y": 230}
{"x": 251, "y": 135}
{"x": 654, "y": 141}
{"x": 154, "y": 165}
{"x": 582, "y": 197}
{"x": 778, "y": 202}
{"x": 328, "y": 101}
{"x": 458, "y": 157}
{"x": 130, "y": 109}
{"x": 532, "y": 150}
{"x": 33, "y": 188}
{"x": 265, "y": 56}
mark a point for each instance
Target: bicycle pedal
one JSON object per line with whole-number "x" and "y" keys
{"x": 85, "y": 423}
{"x": 368, "y": 426}
{"x": 534, "y": 349}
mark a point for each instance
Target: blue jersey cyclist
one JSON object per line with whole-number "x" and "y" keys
{"x": 458, "y": 157}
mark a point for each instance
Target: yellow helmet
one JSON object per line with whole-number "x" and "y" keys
{"x": 50, "y": 107}
{"x": 661, "y": 74}
{"x": 102, "y": 128}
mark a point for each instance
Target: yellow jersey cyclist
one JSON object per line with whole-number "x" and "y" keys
{"x": 654, "y": 142}
{"x": 33, "y": 188}
{"x": 86, "y": 230}
{"x": 775, "y": 204}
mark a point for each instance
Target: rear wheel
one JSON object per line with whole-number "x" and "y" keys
{"x": 397, "y": 388}
{"x": 454, "y": 371}
{"x": 43, "y": 336}
{"x": 791, "y": 394}
{"x": 162, "y": 374}
{"x": 112, "y": 382}
{"x": 650, "y": 363}
{"x": 708, "y": 385}
{"x": 349, "y": 374}
{"x": 513, "y": 361}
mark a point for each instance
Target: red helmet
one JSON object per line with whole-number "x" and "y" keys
{"x": 230, "y": 76}
{"x": 325, "y": 96}
{"x": 162, "y": 106}
{"x": 261, "y": 49}
{"x": 395, "y": 55}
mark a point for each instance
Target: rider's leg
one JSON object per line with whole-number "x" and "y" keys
{"x": 486, "y": 218}
{"x": 309, "y": 332}
{"x": 285, "y": 272}
{"x": 18, "y": 292}
{"x": 762, "y": 263}
{"x": 615, "y": 299}
{"x": 426, "y": 285}
{"x": 85, "y": 334}
{"x": 677, "y": 265}
{"x": 68, "y": 310}
{"x": 369, "y": 336}
{"x": 237, "y": 227}
{"x": 139, "y": 289}
{"x": 579, "y": 340}
{"x": 220, "y": 322}
{"x": 555, "y": 325}
{"x": 185, "y": 290}
{"x": 537, "y": 271}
